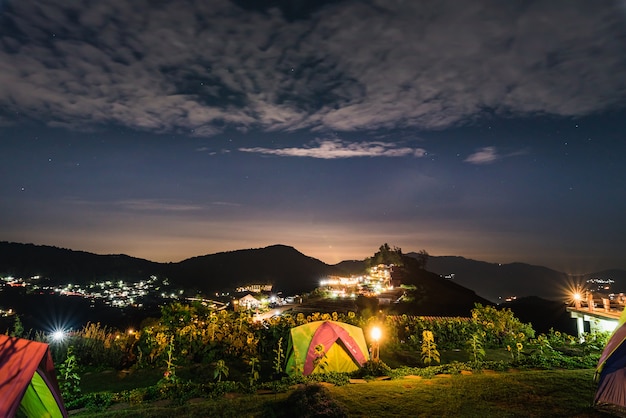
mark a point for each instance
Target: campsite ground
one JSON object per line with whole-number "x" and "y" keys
{"x": 537, "y": 393}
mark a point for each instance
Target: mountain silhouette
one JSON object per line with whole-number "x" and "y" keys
{"x": 497, "y": 282}
{"x": 284, "y": 267}
{"x": 287, "y": 269}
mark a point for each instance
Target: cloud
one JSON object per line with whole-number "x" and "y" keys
{"x": 488, "y": 155}
{"x": 151, "y": 205}
{"x": 199, "y": 67}
{"x": 332, "y": 149}
{"x": 485, "y": 155}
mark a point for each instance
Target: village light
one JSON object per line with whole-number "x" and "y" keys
{"x": 577, "y": 299}
{"x": 375, "y": 333}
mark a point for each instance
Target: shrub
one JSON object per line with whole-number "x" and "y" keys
{"x": 336, "y": 378}
{"x": 373, "y": 368}
{"x": 93, "y": 402}
{"x": 69, "y": 379}
{"x": 312, "y": 401}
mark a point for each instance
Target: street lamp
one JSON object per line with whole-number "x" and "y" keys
{"x": 58, "y": 335}
{"x": 375, "y": 333}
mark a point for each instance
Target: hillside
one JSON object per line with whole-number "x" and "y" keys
{"x": 289, "y": 271}
{"x": 286, "y": 268}
{"x": 499, "y": 281}
{"x": 433, "y": 295}
{"x": 61, "y": 265}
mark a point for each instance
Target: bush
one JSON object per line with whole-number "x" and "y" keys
{"x": 93, "y": 402}
{"x": 312, "y": 401}
{"x": 373, "y": 368}
{"x": 336, "y": 378}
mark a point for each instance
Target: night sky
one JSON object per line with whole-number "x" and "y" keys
{"x": 493, "y": 130}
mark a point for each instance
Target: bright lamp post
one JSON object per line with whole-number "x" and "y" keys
{"x": 58, "y": 335}
{"x": 375, "y": 333}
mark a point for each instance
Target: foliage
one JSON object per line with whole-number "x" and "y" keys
{"x": 201, "y": 335}
{"x": 178, "y": 392}
{"x": 253, "y": 375}
{"x": 429, "y": 348}
{"x": 475, "y": 344}
{"x": 373, "y": 368}
{"x": 278, "y": 386}
{"x": 500, "y": 326}
{"x": 594, "y": 341}
{"x": 68, "y": 377}
{"x": 405, "y": 329}
{"x": 312, "y": 400}
{"x": 430, "y": 371}
{"x": 18, "y": 328}
{"x": 170, "y": 368}
{"x": 191, "y": 336}
{"x": 385, "y": 255}
{"x": 279, "y": 358}
{"x": 92, "y": 402}
{"x": 320, "y": 360}
{"x": 101, "y": 347}
{"x": 336, "y": 378}
{"x": 221, "y": 370}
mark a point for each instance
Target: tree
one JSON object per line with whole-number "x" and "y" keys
{"x": 422, "y": 258}
{"x": 386, "y": 255}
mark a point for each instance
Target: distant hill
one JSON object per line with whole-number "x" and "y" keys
{"x": 433, "y": 295}
{"x": 292, "y": 272}
{"x": 284, "y": 267}
{"x": 61, "y": 265}
{"x": 499, "y": 281}
{"x": 496, "y": 282}
{"x": 355, "y": 267}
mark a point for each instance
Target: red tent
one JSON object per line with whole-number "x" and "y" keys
{"x": 27, "y": 380}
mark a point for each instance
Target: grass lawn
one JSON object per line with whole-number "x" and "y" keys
{"x": 540, "y": 393}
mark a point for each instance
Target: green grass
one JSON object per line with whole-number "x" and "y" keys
{"x": 545, "y": 393}
{"x": 512, "y": 394}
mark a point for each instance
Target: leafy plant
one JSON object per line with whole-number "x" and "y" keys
{"x": 320, "y": 357}
{"x": 253, "y": 375}
{"x": 373, "y": 369}
{"x": 170, "y": 371}
{"x": 18, "y": 328}
{"x": 500, "y": 326}
{"x": 279, "y": 357}
{"x": 93, "y": 402}
{"x": 429, "y": 348}
{"x": 475, "y": 344}
{"x": 69, "y": 379}
{"x": 221, "y": 370}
